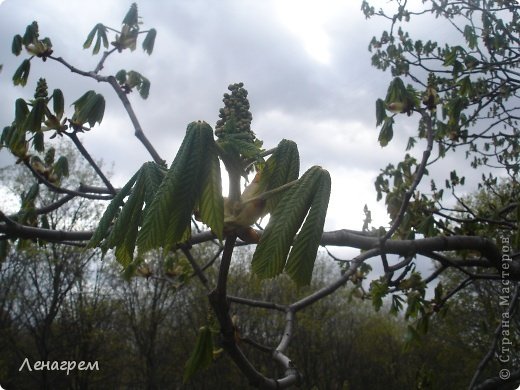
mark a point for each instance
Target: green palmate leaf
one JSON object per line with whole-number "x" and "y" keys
{"x": 49, "y": 156}
{"x": 36, "y": 116}
{"x": 31, "y": 33}
{"x": 22, "y": 73}
{"x": 121, "y": 76}
{"x": 39, "y": 142}
{"x": 169, "y": 215}
{"x": 211, "y": 206}
{"x": 90, "y": 37}
{"x": 303, "y": 254}
{"x": 102, "y": 34}
{"x": 149, "y": 41}
{"x": 380, "y": 111}
{"x": 101, "y": 31}
{"x": 131, "y": 17}
{"x": 111, "y": 212}
{"x": 387, "y": 132}
{"x": 21, "y": 112}
{"x": 202, "y": 355}
{"x": 124, "y": 232}
{"x": 378, "y": 290}
{"x": 471, "y": 36}
{"x": 281, "y": 168}
{"x": 271, "y": 253}
{"x": 58, "y": 103}
{"x": 140, "y": 189}
{"x": 12, "y": 138}
{"x": 396, "y": 91}
{"x": 61, "y": 167}
{"x": 16, "y": 46}
{"x": 144, "y": 87}
{"x": 97, "y": 46}
{"x": 89, "y": 108}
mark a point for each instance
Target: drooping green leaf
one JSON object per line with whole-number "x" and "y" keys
{"x": 131, "y": 17}
{"x": 149, "y": 41}
{"x": 281, "y": 168}
{"x": 387, "y": 132}
{"x": 124, "y": 232}
{"x": 21, "y": 112}
{"x": 169, "y": 215}
{"x": 141, "y": 189}
{"x": 121, "y": 76}
{"x": 211, "y": 206}
{"x": 22, "y": 73}
{"x": 471, "y": 36}
{"x": 31, "y": 34}
{"x": 58, "y": 103}
{"x": 378, "y": 290}
{"x": 271, "y": 253}
{"x": 300, "y": 263}
{"x": 202, "y": 355}
{"x": 411, "y": 143}
{"x": 35, "y": 118}
{"x": 90, "y": 38}
{"x": 16, "y": 47}
{"x": 144, "y": 87}
{"x": 61, "y": 167}
{"x": 89, "y": 108}
{"x": 49, "y": 156}
{"x": 111, "y": 212}
{"x": 39, "y": 142}
{"x": 97, "y": 46}
{"x": 101, "y": 31}
{"x": 380, "y": 111}
{"x": 396, "y": 91}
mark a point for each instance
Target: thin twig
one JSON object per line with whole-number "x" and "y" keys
{"x": 74, "y": 137}
{"x": 139, "y": 133}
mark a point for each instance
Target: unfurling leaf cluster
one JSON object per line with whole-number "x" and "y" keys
{"x": 32, "y": 119}
{"x": 126, "y": 38}
{"x": 41, "y": 48}
{"x": 89, "y": 108}
{"x": 155, "y": 208}
{"x": 132, "y": 79}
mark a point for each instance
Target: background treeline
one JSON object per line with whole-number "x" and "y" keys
{"x": 61, "y": 303}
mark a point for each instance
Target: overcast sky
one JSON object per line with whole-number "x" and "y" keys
{"x": 305, "y": 64}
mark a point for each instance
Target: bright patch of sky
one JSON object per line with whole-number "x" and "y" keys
{"x": 308, "y": 20}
